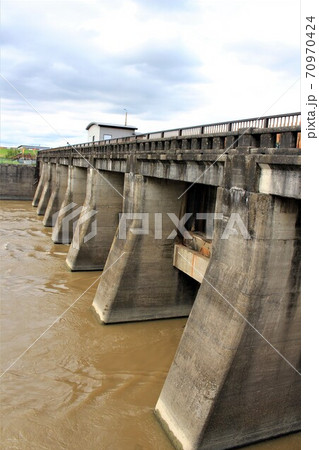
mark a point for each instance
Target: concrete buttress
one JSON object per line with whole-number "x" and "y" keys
{"x": 234, "y": 378}
{"x": 40, "y": 186}
{"x": 49, "y": 183}
{"x": 139, "y": 281}
{"x": 98, "y": 221}
{"x": 73, "y": 200}
{"x": 57, "y": 195}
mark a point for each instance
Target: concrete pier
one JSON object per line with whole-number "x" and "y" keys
{"x": 98, "y": 221}
{"x": 57, "y": 195}
{"x": 73, "y": 200}
{"x": 227, "y": 385}
{"x": 48, "y": 185}
{"x": 43, "y": 174}
{"x": 139, "y": 280}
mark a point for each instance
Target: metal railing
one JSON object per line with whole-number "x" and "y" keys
{"x": 274, "y": 121}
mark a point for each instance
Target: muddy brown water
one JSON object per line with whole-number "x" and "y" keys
{"x": 80, "y": 385}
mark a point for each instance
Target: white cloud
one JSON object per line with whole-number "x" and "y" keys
{"x": 169, "y": 63}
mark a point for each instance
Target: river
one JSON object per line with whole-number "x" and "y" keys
{"x": 80, "y": 385}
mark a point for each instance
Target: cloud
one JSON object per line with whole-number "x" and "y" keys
{"x": 275, "y": 57}
{"x": 149, "y": 79}
{"x": 168, "y": 6}
{"x": 169, "y": 63}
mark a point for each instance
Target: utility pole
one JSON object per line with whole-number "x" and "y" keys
{"x": 125, "y": 116}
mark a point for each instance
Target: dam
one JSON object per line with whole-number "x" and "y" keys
{"x": 204, "y": 223}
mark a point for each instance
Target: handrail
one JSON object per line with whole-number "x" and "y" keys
{"x": 274, "y": 121}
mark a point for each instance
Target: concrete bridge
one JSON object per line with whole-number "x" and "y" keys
{"x": 210, "y": 228}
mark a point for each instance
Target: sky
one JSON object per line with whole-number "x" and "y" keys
{"x": 169, "y": 63}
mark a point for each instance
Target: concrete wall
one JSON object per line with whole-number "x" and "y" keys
{"x": 17, "y": 182}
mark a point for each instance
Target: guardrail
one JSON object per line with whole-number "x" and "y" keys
{"x": 275, "y": 121}
{"x": 283, "y": 120}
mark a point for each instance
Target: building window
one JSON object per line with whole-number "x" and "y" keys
{"x": 106, "y": 137}
{"x": 93, "y": 138}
